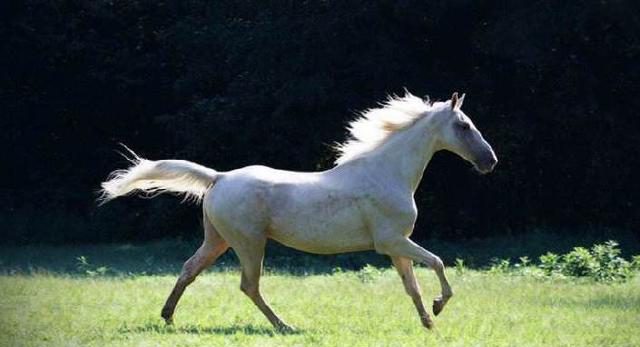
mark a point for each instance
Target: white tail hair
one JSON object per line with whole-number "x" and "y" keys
{"x": 156, "y": 177}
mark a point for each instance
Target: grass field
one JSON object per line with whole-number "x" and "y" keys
{"x": 86, "y": 306}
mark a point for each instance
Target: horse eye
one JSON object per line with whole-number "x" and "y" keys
{"x": 464, "y": 125}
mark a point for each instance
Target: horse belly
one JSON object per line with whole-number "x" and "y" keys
{"x": 324, "y": 228}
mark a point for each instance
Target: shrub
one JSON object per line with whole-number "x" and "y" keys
{"x": 578, "y": 263}
{"x": 84, "y": 267}
{"x": 460, "y": 267}
{"x": 550, "y": 263}
{"x": 500, "y": 265}
{"x": 602, "y": 263}
{"x": 635, "y": 263}
{"x": 524, "y": 261}
{"x": 608, "y": 265}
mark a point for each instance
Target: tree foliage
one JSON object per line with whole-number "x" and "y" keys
{"x": 552, "y": 85}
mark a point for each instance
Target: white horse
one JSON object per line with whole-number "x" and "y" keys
{"x": 364, "y": 203}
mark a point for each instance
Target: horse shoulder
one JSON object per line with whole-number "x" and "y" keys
{"x": 392, "y": 210}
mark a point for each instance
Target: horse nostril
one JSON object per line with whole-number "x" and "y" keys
{"x": 490, "y": 162}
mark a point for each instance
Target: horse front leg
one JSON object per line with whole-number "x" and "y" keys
{"x": 404, "y": 247}
{"x": 405, "y": 270}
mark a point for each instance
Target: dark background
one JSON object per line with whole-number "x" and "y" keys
{"x": 553, "y": 86}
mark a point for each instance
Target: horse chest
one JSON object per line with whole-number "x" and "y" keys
{"x": 393, "y": 211}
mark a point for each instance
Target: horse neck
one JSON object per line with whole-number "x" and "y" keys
{"x": 404, "y": 157}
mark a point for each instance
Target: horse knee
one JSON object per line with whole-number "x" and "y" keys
{"x": 186, "y": 279}
{"x": 249, "y": 289}
{"x": 412, "y": 292}
{"x": 436, "y": 263}
{"x": 188, "y": 275}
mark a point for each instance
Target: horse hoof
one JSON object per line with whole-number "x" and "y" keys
{"x": 427, "y": 322}
{"x": 285, "y": 328}
{"x": 438, "y": 305}
{"x": 167, "y": 315}
{"x": 168, "y": 319}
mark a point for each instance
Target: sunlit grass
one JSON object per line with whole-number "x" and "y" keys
{"x": 340, "y": 309}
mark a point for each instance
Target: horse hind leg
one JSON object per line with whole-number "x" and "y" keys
{"x": 212, "y": 247}
{"x": 251, "y": 253}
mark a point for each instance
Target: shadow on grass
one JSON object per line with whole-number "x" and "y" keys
{"x": 165, "y": 257}
{"x": 200, "y": 330}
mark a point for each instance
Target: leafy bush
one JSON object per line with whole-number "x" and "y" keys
{"x": 550, "y": 263}
{"x": 460, "y": 267}
{"x": 499, "y": 265}
{"x": 608, "y": 265}
{"x": 85, "y": 268}
{"x": 602, "y": 263}
{"x": 635, "y": 263}
{"x": 578, "y": 263}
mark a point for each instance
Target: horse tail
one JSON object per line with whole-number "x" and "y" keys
{"x": 152, "y": 178}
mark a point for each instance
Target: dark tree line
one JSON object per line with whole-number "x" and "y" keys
{"x": 553, "y": 85}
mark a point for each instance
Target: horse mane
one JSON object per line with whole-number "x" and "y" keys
{"x": 374, "y": 126}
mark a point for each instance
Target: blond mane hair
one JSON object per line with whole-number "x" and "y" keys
{"x": 374, "y": 126}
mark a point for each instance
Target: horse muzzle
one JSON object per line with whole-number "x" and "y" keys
{"x": 486, "y": 164}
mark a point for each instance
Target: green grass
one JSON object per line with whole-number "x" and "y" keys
{"x": 347, "y": 308}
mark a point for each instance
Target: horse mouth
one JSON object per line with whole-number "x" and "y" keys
{"x": 486, "y": 166}
{"x": 481, "y": 171}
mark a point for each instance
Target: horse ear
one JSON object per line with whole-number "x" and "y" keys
{"x": 454, "y": 101}
{"x": 460, "y": 101}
